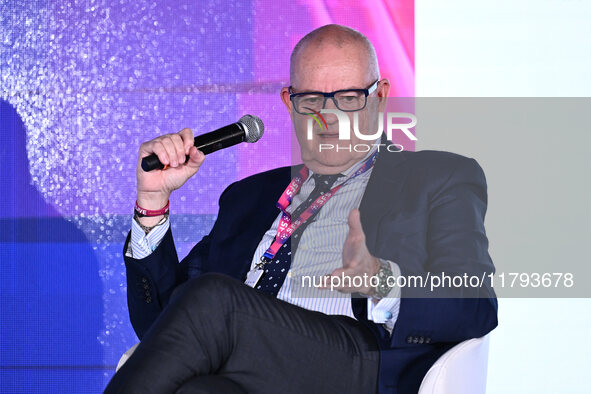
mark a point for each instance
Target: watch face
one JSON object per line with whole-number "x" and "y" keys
{"x": 384, "y": 273}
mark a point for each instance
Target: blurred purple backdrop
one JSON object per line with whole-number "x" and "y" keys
{"x": 83, "y": 83}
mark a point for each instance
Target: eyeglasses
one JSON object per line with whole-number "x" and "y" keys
{"x": 347, "y": 100}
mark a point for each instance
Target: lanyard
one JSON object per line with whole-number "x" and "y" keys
{"x": 286, "y": 227}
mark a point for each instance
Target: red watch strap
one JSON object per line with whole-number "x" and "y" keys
{"x": 142, "y": 212}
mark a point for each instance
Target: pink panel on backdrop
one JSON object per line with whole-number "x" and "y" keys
{"x": 280, "y": 25}
{"x": 376, "y": 20}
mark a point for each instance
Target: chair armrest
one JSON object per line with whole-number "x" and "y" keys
{"x": 460, "y": 370}
{"x": 126, "y": 356}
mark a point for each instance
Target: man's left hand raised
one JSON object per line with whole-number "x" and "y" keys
{"x": 357, "y": 261}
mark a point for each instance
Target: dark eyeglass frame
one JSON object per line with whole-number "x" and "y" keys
{"x": 369, "y": 90}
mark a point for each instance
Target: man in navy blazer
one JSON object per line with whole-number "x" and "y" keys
{"x": 420, "y": 214}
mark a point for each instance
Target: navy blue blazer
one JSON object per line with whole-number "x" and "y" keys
{"x": 423, "y": 210}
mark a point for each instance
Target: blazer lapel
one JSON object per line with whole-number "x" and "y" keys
{"x": 236, "y": 261}
{"x": 383, "y": 186}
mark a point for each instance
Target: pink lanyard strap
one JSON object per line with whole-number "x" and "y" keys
{"x": 286, "y": 227}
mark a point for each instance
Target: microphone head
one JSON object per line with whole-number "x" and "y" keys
{"x": 253, "y": 127}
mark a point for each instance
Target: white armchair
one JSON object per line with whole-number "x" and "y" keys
{"x": 126, "y": 356}
{"x": 460, "y": 370}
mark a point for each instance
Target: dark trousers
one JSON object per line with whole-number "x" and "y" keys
{"x": 218, "y": 335}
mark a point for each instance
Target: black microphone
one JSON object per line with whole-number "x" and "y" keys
{"x": 248, "y": 129}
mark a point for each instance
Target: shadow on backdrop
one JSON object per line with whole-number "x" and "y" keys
{"x": 50, "y": 292}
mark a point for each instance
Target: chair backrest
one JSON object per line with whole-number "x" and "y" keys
{"x": 460, "y": 370}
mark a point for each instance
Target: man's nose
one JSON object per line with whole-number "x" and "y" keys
{"x": 331, "y": 119}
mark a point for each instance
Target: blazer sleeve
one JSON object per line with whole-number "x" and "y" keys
{"x": 457, "y": 245}
{"x": 152, "y": 280}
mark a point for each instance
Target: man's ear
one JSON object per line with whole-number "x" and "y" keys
{"x": 285, "y": 98}
{"x": 382, "y": 92}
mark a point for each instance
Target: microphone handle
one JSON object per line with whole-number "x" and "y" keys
{"x": 207, "y": 143}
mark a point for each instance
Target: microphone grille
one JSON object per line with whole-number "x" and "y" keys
{"x": 254, "y": 127}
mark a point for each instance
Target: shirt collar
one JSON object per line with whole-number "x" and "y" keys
{"x": 351, "y": 170}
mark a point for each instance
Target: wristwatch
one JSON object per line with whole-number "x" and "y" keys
{"x": 383, "y": 288}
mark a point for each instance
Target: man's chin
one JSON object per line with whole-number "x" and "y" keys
{"x": 330, "y": 161}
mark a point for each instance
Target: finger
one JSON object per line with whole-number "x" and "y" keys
{"x": 355, "y": 223}
{"x": 347, "y": 280}
{"x": 196, "y": 158}
{"x": 325, "y": 282}
{"x": 147, "y": 148}
{"x": 332, "y": 280}
{"x": 180, "y": 149}
{"x": 171, "y": 150}
{"x": 188, "y": 139}
{"x": 158, "y": 148}
{"x": 340, "y": 272}
{"x": 355, "y": 255}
